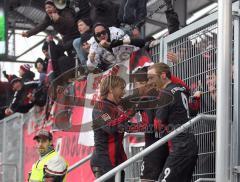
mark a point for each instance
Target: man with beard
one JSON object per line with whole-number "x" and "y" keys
{"x": 150, "y": 125}
{"x": 50, "y": 167}
{"x": 183, "y": 149}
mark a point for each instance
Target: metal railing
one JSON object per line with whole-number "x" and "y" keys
{"x": 11, "y": 165}
{"x": 116, "y": 170}
{"x": 87, "y": 158}
{"x": 11, "y": 150}
{"x": 79, "y": 163}
{"x": 205, "y": 179}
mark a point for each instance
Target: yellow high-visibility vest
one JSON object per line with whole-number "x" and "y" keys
{"x": 37, "y": 173}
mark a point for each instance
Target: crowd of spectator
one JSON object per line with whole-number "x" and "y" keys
{"x": 98, "y": 36}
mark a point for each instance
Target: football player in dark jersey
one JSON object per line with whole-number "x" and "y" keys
{"x": 153, "y": 130}
{"x": 183, "y": 149}
{"x": 109, "y": 151}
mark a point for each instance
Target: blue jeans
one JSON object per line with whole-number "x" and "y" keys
{"x": 82, "y": 56}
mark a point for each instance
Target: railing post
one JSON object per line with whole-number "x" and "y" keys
{"x": 235, "y": 135}
{"x": 118, "y": 176}
{"x": 21, "y": 166}
{"x": 4, "y": 148}
{"x": 223, "y": 90}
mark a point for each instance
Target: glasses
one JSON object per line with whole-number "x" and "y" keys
{"x": 104, "y": 32}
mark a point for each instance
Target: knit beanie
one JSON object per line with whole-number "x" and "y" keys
{"x": 25, "y": 67}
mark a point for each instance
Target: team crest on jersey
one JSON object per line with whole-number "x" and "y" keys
{"x": 105, "y": 117}
{"x": 175, "y": 89}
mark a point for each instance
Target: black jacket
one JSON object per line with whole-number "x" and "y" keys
{"x": 60, "y": 62}
{"x": 66, "y": 25}
{"x": 104, "y": 11}
{"x": 28, "y": 76}
{"x": 20, "y": 102}
{"x": 133, "y": 12}
{"x": 83, "y": 9}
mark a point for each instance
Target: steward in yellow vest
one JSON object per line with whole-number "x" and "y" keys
{"x": 51, "y": 167}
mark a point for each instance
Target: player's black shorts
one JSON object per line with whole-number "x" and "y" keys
{"x": 178, "y": 169}
{"x": 154, "y": 162}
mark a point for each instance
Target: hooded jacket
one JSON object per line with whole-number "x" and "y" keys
{"x": 110, "y": 55}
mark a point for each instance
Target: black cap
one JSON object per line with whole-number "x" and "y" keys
{"x": 43, "y": 134}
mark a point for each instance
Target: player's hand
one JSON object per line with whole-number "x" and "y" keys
{"x": 25, "y": 34}
{"x": 49, "y": 38}
{"x": 156, "y": 125}
{"x": 8, "y": 111}
{"x": 55, "y": 17}
{"x": 105, "y": 43}
{"x": 197, "y": 94}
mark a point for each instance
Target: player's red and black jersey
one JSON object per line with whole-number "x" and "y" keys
{"x": 194, "y": 102}
{"x": 174, "y": 115}
{"x": 109, "y": 151}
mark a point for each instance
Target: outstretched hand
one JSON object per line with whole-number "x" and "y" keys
{"x": 25, "y": 34}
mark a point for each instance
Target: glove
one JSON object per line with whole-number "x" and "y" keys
{"x": 5, "y": 74}
{"x": 116, "y": 43}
